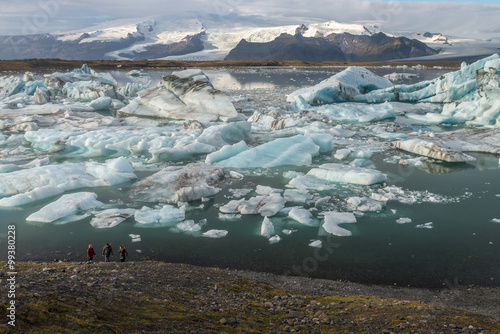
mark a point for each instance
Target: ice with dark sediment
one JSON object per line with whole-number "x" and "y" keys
{"x": 179, "y": 184}
{"x": 185, "y": 94}
{"x": 111, "y": 217}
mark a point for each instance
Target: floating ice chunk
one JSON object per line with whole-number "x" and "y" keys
{"x": 292, "y": 174}
{"x": 357, "y": 113}
{"x": 288, "y": 231}
{"x": 266, "y": 190}
{"x": 347, "y": 174}
{"x": 10, "y": 86}
{"x": 339, "y": 88}
{"x": 236, "y": 175}
{"x": 101, "y": 103}
{"x": 132, "y": 88}
{"x": 333, "y": 219}
{"x": 183, "y": 96}
{"x": 189, "y": 226}
{"x": 342, "y": 154}
{"x": 433, "y": 118}
{"x": 400, "y": 76}
{"x": 41, "y": 96}
{"x": 316, "y": 244}
{"x": 426, "y": 225}
{"x": 179, "y": 184}
{"x": 226, "y": 152}
{"x": 137, "y": 74}
{"x": 364, "y": 204}
{"x": 263, "y": 205}
{"x": 302, "y": 216}
{"x": 136, "y": 238}
{"x": 274, "y": 239}
{"x": 449, "y": 146}
{"x": 227, "y": 216}
{"x": 26, "y": 186}
{"x": 215, "y": 233}
{"x": 495, "y": 220}
{"x": 296, "y": 195}
{"x": 66, "y": 207}
{"x": 166, "y": 216}
{"x": 293, "y": 151}
{"x": 86, "y": 91}
{"x": 404, "y": 220}
{"x": 267, "y": 228}
{"x": 111, "y": 217}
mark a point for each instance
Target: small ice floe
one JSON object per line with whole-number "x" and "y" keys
{"x": 287, "y": 231}
{"x": 403, "y": 220}
{"x": 111, "y": 217}
{"x": 228, "y": 216}
{"x": 138, "y": 251}
{"x": 168, "y": 215}
{"x": 302, "y": 216}
{"x": 263, "y": 205}
{"x": 333, "y": 219}
{"x": 495, "y": 220}
{"x": 426, "y": 225}
{"x": 274, "y": 239}
{"x": 215, "y": 234}
{"x": 135, "y": 238}
{"x": 66, "y": 208}
{"x": 267, "y": 228}
{"x": 316, "y": 244}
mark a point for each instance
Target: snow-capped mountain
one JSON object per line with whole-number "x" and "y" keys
{"x": 190, "y": 36}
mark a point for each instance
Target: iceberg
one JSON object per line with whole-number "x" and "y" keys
{"x": 215, "y": 234}
{"x": 302, "y": 216}
{"x": 66, "y": 208}
{"x": 29, "y": 185}
{"x": 356, "y": 112}
{"x": 341, "y": 87}
{"x": 293, "y": 151}
{"x": 333, "y": 219}
{"x": 316, "y": 244}
{"x": 179, "y": 184}
{"x": 267, "y": 228}
{"x": 347, "y": 174}
{"x": 471, "y": 94}
{"x": 264, "y": 205}
{"x": 168, "y": 215}
{"x": 111, "y": 217}
{"x": 364, "y": 204}
{"x": 183, "y": 95}
{"x": 450, "y": 146}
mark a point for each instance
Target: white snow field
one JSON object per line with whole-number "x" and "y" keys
{"x": 297, "y": 156}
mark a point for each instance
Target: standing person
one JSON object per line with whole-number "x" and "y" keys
{"x": 107, "y": 251}
{"x": 90, "y": 253}
{"x": 123, "y": 253}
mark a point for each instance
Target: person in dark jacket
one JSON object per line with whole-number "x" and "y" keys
{"x": 123, "y": 253}
{"x": 107, "y": 251}
{"x": 90, "y": 253}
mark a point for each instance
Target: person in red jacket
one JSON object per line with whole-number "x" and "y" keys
{"x": 90, "y": 253}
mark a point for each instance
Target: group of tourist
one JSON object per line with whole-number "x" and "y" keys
{"x": 107, "y": 252}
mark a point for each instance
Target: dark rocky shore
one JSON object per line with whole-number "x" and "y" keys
{"x": 150, "y": 297}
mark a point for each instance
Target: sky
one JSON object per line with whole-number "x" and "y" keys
{"x": 22, "y": 17}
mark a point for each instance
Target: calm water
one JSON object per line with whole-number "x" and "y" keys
{"x": 464, "y": 243}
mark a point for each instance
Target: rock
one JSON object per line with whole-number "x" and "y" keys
{"x": 296, "y": 314}
{"x": 47, "y": 269}
{"x": 223, "y": 321}
{"x": 268, "y": 304}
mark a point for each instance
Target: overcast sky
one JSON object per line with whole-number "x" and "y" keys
{"x": 452, "y": 17}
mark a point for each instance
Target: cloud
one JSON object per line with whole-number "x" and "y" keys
{"x": 42, "y": 16}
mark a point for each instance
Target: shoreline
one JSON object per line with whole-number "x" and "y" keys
{"x": 480, "y": 299}
{"x": 59, "y": 64}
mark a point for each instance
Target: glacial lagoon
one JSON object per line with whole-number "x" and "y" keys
{"x": 442, "y": 223}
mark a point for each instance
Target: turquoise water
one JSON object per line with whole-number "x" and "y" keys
{"x": 463, "y": 245}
